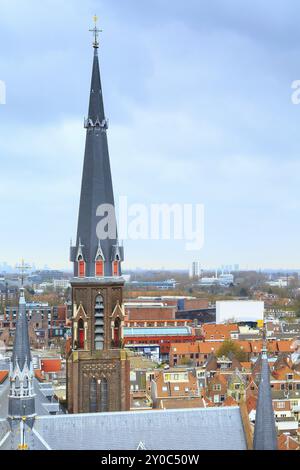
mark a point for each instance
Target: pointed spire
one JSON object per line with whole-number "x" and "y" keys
{"x": 21, "y": 396}
{"x": 265, "y": 434}
{"x": 21, "y": 351}
{"x": 97, "y": 218}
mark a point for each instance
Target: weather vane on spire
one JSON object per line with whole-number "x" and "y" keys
{"x": 23, "y": 268}
{"x": 96, "y": 32}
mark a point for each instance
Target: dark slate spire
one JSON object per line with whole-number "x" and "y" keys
{"x": 265, "y": 435}
{"x": 21, "y": 396}
{"x": 96, "y": 189}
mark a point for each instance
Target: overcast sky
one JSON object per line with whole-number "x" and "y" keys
{"x": 198, "y": 95}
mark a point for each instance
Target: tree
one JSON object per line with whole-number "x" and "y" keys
{"x": 230, "y": 346}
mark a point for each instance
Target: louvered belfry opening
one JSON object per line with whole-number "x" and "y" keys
{"x": 99, "y": 323}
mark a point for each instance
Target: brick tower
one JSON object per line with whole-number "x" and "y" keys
{"x": 97, "y": 367}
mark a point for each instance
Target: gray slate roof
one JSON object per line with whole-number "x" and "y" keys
{"x": 200, "y": 428}
{"x": 21, "y": 350}
{"x": 265, "y": 435}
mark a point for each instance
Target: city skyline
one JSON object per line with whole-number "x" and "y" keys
{"x": 230, "y": 109}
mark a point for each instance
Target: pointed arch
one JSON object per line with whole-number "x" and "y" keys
{"x": 93, "y": 395}
{"x": 25, "y": 382}
{"x": 103, "y": 395}
{"x": 80, "y": 334}
{"x": 117, "y": 332}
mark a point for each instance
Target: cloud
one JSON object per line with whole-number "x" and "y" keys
{"x": 199, "y": 102}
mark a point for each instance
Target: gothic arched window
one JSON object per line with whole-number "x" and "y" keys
{"x": 80, "y": 334}
{"x": 93, "y": 395}
{"x": 103, "y": 395}
{"x": 99, "y": 323}
{"x": 117, "y": 332}
{"x": 25, "y": 382}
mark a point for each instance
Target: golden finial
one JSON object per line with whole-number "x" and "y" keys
{"x": 96, "y": 32}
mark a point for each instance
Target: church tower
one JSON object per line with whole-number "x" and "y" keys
{"x": 97, "y": 367}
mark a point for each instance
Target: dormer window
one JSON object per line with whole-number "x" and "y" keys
{"x": 81, "y": 266}
{"x": 99, "y": 267}
{"x": 116, "y": 258}
{"x": 116, "y": 268}
{"x": 99, "y": 262}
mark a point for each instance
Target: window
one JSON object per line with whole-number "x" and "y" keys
{"x": 281, "y": 404}
{"x": 99, "y": 267}
{"x": 80, "y": 334}
{"x": 99, "y": 323}
{"x": 116, "y": 268}
{"x": 103, "y": 395}
{"x": 25, "y": 382}
{"x": 117, "y": 332}
{"x": 81, "y": 266}
{"x": 297, "y": 386}
{"x": 164, "y": 389}
{"x": 217, "y": 387}
{"x": 93, "y": 395}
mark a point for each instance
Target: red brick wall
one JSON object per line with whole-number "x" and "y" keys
{"x": 150, "y": 313}
{"x": 194, "y": 304}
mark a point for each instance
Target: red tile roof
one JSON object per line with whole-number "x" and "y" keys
{"x": 51, "y": 365}
{"x": 3, "y": 376}
{"x": 286, "y": 442}
{"x": 285, "y": 345}
{"x": 209, "y": 347}
{"x": 219, "y": 331}
{"x": 251, "y": 403}
{"x": 230, "y": 402}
